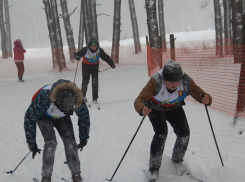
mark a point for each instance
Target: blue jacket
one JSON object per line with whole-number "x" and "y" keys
{"x": 41, "y": 102}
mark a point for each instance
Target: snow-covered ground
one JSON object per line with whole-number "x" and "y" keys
{"x": 113, "y": 126}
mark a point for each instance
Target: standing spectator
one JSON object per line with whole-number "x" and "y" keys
{"x": 19, "y": 58}
{"x": 90, "y": 66}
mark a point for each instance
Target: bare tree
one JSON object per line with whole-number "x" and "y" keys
{"x": 56, "y": 53}
{"x": 116, "y": 31}
{"x": 152, "y": 22}
{"x": 227, "y": 26}
{"x": 237, "y": 12}
{"x": 93, "y": 19}
{"x": 134, "y": 26}
{"x": 86, "y": 21}
{"x": 57, "y": 30}
{"x": 69, "y": 32}
{"x": 81, "y": 28}
{"x": 218, "y": 28}
{"x": 3, "y": 33}
{"x": 8, "y": 32}
{"x": 162, "y": 25}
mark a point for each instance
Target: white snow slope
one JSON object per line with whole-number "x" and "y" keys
{"x": 112, "y": 128}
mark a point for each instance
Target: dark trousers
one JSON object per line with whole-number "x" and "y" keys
{"x": 92, "y": 70}
{"x": 20, "y": 68}
{"x": 65, "y": 129}
{"x": 178, "y": 121}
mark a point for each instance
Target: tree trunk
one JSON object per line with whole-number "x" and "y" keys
{"x": 93, "y": 19}
{"x": 162, "y": 25}
{"x": 227, "y": 27}
{"x": 237, "y": 12}
{"x": 60, "y": 53}
{"x": 3, "y": 33}
{"x": 218, "y": 29}
{"x": 86, "y": 22}
{"x": 152, "y": 22}
{"x": 81, "y": 28}
{"x": 68, "y": 29}
{"x": 50, "y": 25}
{"x": 134, "y": 26}
{"x": 8, "y": 32}
{"x": 116, "y": 31}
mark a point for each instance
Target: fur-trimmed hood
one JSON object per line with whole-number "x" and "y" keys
{"x": 66, "y": 84}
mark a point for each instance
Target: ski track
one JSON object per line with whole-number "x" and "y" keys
{"x": 112, "y": 128}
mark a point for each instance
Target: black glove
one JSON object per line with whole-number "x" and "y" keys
{"x": 113, "y": 66}
{"x": 82, "y": 143}
{"x": 34, "y": 149}
{"x": 77, "y": 57}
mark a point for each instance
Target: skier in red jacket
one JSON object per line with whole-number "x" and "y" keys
{"x": 19, "y": 58}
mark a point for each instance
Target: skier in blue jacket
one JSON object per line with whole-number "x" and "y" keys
{"x": 51, "y": 108}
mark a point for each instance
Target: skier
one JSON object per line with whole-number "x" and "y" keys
{"x": 90, "y": 66}
{"x": 165, "y": 93}
{"x": 51, "y": 108}
{"x": 19, "y": 58}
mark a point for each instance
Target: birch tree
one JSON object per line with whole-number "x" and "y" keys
{"x": 81, "y": 28}
{"x": 237, "y": 12}
{"x": 69, "y": 31}
{"x": 227, "y": 26}
{"x": 57, "y": 30}
{"x": 116, "y": 31}
{"x": 86, "y": 21}
{"x": 8, "y": 31}
{"x": 162, "y": 25}
{"x": 134, "y": 26}
{"x": 218, "y": 28}
{"x": 93, "y": 19}
{"x": 3, "y": 33}
{"x": 152, "y": 22}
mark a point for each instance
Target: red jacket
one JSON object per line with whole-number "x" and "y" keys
{"x": 18, "y": 50}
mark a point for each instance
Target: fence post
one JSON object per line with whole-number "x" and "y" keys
{"x": 172, "y": 47}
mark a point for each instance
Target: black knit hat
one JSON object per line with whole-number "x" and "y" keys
{"x": 172, "y": 71}
{"x": 93, "y": 42}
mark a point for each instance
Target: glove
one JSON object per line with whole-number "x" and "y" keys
{"x": 83, "y": 142}
{"x": 77, "y": 57}
{"x": 34, "y": 149}
{"x": 113, "y": 66}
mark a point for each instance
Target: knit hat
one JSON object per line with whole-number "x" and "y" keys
{"x": 172, "y": 71}
{"x": 93, "y": 42}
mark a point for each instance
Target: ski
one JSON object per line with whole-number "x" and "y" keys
{"x": 97, "y": 106}
{"x": 65, "y": 180}
{"x": 185, "y": 172}
{"x": 35, "y": 180}
{"x": 153, "y": 179}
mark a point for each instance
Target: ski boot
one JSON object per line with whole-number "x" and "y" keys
{"x": 95, "y": 101}
{"x": 76, "y": 178}
{"x": 20, "y": 79}
{"x": 46, "y": 179}
{"x": 176, "y": 161}
{"x": 153, "y": 172}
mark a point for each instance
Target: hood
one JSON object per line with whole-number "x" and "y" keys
{"x": 66, "y": 84}
{"x": 18, "y": 43}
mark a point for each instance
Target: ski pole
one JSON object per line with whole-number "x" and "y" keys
{"x": 76, "y": 72}
{"x": 104, "y": 69}
{"x": 213, "y": 133}
{"x": 127, "y": 149}
{"x": 18, "y": 164}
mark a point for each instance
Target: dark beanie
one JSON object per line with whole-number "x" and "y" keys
{"x": 172, "y": 71}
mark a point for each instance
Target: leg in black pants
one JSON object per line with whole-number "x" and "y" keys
{"x": 95, "y": 84}
{"x": 178, "y": 121}
{"x": 85, "y": 81}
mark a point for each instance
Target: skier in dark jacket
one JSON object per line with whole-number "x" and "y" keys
{"x": 90, "y": 66}
{"x": 165, "y": 93}
{"x": 51, "y": 108}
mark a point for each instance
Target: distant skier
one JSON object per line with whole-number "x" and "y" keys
{"x": 165, "y": 93}
{"x": 51, "y": 108}
{"x": 90, "y": 66}
{"x": 19, "y": 52}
